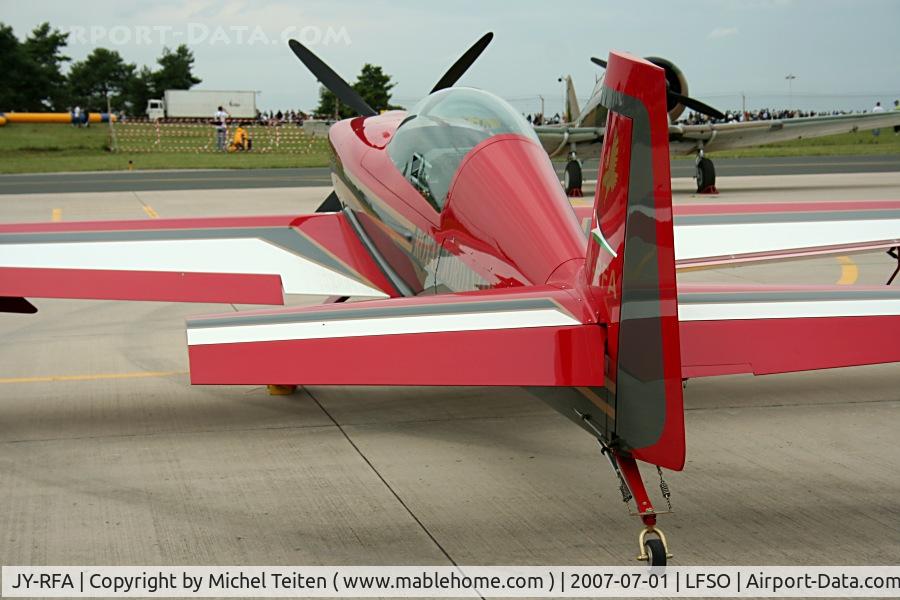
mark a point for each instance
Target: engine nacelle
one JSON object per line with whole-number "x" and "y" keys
{"x": 676, "y": 82}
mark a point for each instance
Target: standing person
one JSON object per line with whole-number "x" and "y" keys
{"x": 221, "y": 122}
{"x": 878, "y": 108}
{"x": 896, "y": 107}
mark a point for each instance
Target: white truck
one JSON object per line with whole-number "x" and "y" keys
{"x": 202, "y": 104}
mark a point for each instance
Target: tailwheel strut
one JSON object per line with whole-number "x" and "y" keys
{"x": 653, "y": 547}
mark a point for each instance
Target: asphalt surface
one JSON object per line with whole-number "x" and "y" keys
{"x": 108, "y": 456}
{"x": 125, "y": 181}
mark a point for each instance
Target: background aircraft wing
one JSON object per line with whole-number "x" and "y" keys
{"x": 555, "y": 139}
{"x": 533, "y": 336}
{"x": 724, "y": 136}
{"x": 247, "y": 260}
{"x": 771, "y": 329}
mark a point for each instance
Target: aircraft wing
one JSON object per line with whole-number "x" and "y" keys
{"x": 556, "y": 139}
{"x": 717, "y": 235}
{"x": 247, "y": 260}
{"x": 725, "y": 136}
{"x": 776, "y": 329}
{"x": 685, "y": 139}
{"x": 529, "y": 336}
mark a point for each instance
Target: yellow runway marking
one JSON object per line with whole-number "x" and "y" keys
{"x": 90, "y": 377}
{"x": 849, "y": 271}
{"x": 56, "y": 215}
{"x": 150, "y": 212}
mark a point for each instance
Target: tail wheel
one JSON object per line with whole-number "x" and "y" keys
{"x": 572, "y": 178}
{"x": 656, "y": 552}
{"x": 706, "y": 174}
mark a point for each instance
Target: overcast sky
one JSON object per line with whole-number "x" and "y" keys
{"x": 844, "y": 53}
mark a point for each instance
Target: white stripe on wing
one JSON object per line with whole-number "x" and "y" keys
{"x": 699, "y": 241}
{"x": 335, "y": 328}
{"x": 715, "y": 311}
{"x": 236, "y": 255}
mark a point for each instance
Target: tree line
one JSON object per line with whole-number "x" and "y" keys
{"x": 35, "y": 81}
{"x": 372, "y": 83}
{"x": 36, "y": 78}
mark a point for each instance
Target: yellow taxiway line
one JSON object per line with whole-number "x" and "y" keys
{"x": 150, "y": 212}
{"x": 90, "y": 377}
{"x": 56, "y": 215}
{"x": 849, "y": 271}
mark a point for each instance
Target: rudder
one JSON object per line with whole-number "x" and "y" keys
{"x": 630, "y": 266}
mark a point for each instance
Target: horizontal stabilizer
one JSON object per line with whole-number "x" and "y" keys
{"x": 528, "y": 336}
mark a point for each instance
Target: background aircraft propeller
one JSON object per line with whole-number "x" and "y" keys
{"x": 691, "y": 103}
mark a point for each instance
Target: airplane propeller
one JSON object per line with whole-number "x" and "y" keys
{"x": 691, "y": 103}
{"x": 696, "y": 105}
{"x": 463, "y": 63}
{"x": 349, "y": 96}
{"x": 331, "y": 80}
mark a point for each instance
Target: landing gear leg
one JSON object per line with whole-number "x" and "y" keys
{"x": 706, "y": 175}
{"x": 653, "y": 547}
{"x": 573, "y": 176}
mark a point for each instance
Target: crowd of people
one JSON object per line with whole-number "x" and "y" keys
{"x": 538, "y": 119}
{"x": 766, "y": 114}
{"x": 271, "y": 117}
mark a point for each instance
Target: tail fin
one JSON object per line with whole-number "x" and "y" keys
{"x": 572, "y": 107}
{"x": 631, "y": 264}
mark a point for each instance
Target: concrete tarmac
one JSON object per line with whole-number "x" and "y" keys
{"x": 206, "y": 179}
{"x": 108, "y": 456}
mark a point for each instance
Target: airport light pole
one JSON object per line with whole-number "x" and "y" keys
{"x": 790, "y": 79}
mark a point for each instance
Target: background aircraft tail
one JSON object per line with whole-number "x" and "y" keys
{"x": 572, "y": 109}
{"x": 630, "y": 265}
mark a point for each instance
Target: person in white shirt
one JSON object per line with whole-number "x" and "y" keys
{"x": 878, "y": 108}
{"x": 221, "y": 121}
{"x": 896, "y": 107}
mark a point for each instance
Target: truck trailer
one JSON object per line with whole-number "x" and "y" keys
{"x": 202, "y": 104}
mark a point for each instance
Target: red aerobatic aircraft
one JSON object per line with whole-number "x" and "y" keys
{"x": 450, "y": 220}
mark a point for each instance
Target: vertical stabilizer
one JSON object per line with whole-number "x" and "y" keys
{"x": 572, "y": 107}
{"x": 631, "y": 264}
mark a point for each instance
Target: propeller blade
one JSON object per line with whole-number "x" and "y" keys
{"x": 463, "y": 63}
{"x": 331, "y": 80}
{"x": 696, "y": 105}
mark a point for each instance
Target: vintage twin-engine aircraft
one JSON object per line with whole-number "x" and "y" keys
{"x": 583, "y": 131}
{"x": 452, "y": 215}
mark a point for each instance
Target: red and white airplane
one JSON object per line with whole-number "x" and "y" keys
{"x": 450, "y": 220}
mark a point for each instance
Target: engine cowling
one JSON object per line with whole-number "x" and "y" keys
{"x": 676, "y": 82}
